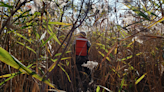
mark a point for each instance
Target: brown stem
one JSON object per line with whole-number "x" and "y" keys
{"x": 12, "y": 13}
{"x": 161, "y": 7}
{"x": 70, "y": 35}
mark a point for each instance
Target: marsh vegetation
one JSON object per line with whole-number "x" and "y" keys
{"x": 37, "y": 36}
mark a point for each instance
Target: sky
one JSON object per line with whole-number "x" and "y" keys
{"x": 120, "y": 9}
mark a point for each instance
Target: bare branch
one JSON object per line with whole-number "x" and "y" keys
{"x": 6, "y": 22}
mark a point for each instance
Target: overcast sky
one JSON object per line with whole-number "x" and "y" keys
{"x": 120, "y": 9}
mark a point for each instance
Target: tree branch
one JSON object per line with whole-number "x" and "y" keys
{"x": 6, "y": 22}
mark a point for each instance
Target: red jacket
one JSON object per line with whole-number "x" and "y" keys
{"x": 81, "y": 46}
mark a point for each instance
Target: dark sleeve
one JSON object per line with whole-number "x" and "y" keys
{"x": 88, "y": 44}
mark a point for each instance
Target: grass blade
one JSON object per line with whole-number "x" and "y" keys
{"x": 160, "y": 20}
{"x": 122, "y": 83}
{"x": 9, "y": 75}
{"x": 98, "y": 89}
{"x": 140, "y": 78}
{"x": 59, "y": 23}
{"x": 137, "y": 11}
{"x": 65, "y": 72}
{"x": 22, "y": 36}
{"x": 104, "y": 55}
{"x": 108, "y": 53}
{"x": 56, "y": 39}
{"x": 2, "y": 4}
{"x": 9, "y": 78}
{"x": 26, "y": 46}
{"x": 13, "y": 62}
{"x": 53, "y": 35}
{"x": 54, "y": 64}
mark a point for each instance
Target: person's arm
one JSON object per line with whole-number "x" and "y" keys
{"x": 88, "y": 47}
{"x": 88, "y": 44}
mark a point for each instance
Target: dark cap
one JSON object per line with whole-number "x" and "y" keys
{"x": 83, "y": 34}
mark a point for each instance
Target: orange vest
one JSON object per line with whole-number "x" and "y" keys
{"x": 81, "y": 46}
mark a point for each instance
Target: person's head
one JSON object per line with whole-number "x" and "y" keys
{"x": 82, "y": 34}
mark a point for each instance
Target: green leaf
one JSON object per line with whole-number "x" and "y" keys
{"x": 137, "y": 11}
{"x": 13, "y": 62}
{"x": 102, "y": 46}
{"x": 108, "y": 90}
{"x": 26, "y": 26}
{"x": 12, "y": 76}
{"x": 55, "y": 38}
{"x": 103, "y": 55}
{"x": 26, "y": 46}
{"x": 51, "y": 35}
{"x": 122, "y": 34}
{"x": 129, "y": 57}
{"x": 6, "y": 58}
{"x": 22, "y": 36}
{"x": 58, "y": 54}
{"x": 59, "y": 23}
{"x": 9, "y": 75}
{"x": 37, "y": 13}
{"x": 2, "y": 4}
{"x": 30, "y": 72}
{"x": 154, "y": 3}
{"x": 67, "y": 62}
{"x": 122, "y": 83}
{"x": 48, "y": 39}
{"x": 148, "y": 12}
{"x": 23, "y": 15}
{"x": 140, "y": 78}
{"x": 65, "y": 72}
{"x": 98, "y": 89}
{"x": 160, "y": 20}
{"x": 116, "y": 72}
{"x": 54, "y": 64}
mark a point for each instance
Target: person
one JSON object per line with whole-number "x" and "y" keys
{"x": 81, "y": 49}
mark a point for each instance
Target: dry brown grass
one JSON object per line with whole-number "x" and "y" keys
{"x": 130, "y": 66}
{"x": 109, "y": 75}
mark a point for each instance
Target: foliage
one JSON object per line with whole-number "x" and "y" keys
{"x": 40, "y": 34}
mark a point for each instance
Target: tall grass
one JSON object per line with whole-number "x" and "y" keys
{"x": 124, "y": 65}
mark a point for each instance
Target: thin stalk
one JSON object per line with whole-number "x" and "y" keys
{"x": 12, "y": 13}
{"x": 11, "y": 79}
{"x": 161, "y": 7}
